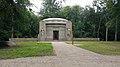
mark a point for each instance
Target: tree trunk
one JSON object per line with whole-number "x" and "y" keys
{"x": 12, "y": 32}
{"x": 99, "y": 29}
{"x": 116, "y": 30}
{"x": 106, "y": 34}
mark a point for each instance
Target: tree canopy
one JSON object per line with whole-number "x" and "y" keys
{"x": 101, "y": 20}
{"x": 14, "y": 15}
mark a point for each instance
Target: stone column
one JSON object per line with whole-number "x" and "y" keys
{"x": 69, "y": 30}
{"x": 42, "y": 31}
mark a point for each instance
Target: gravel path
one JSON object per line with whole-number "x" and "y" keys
{"x": 67, "y": 56}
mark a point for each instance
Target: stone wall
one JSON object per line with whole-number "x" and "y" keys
{"x": 49, "y": 25}
{"x": 23, "y": 39}
{"x": 60, "y": 28}
{"x": 86, "y": 39}
{"x": 36, "y": 39}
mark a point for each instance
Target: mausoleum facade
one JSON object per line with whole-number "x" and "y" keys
{"x": 55, "y": 29}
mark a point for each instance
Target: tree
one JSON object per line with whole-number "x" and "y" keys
{"x": 100, "y": 20}
{"x": 73, "y": 14}
{"x": 114, "y": 8}
{"x": 13, "y": 15}
{"x": 50, "y": 8}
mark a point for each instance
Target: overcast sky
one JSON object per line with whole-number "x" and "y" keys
{"x": 82, "y": 3}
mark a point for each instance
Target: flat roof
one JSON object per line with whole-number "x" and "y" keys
{"x": 55, "y": 19}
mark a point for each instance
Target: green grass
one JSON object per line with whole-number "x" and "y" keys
{"x": 105, "y": 48}
{"x": 26, "y": 49}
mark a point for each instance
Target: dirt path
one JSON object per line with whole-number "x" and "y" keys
{"x": 67, "y": 56}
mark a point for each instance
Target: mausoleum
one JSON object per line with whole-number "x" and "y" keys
{"x": 55, "y": 29}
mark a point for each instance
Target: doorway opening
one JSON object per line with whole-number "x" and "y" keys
{"x": 55, "y": 35}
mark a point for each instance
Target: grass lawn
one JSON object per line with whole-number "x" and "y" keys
{"x": 26, "y": 49}
{"x": 105, "y": 48}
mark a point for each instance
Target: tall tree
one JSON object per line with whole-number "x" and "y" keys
{"x": 73, "y": 14}
{"x": 114, "y": 9}
{"x": 50, "y": 8}
{"x": 13, "y": 15}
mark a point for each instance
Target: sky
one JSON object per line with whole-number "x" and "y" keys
{"x": 82, "y": 3}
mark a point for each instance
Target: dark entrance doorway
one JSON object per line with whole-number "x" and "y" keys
{"x": 55, "y": 35}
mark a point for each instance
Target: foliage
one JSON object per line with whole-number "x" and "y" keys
{"x": 26, "y": 49}
{"x": 89, "y": 21}
{"x": 14, "y": 14}
{"x": 16, "y": 17}
{"x": 73, "y": 14}
{"x": 113, "y": 7}
{"x": 32, "y": 31}
{"x": 50, "y": 8}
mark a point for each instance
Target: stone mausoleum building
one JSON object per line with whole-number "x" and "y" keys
{"x": 55, "y": 29}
